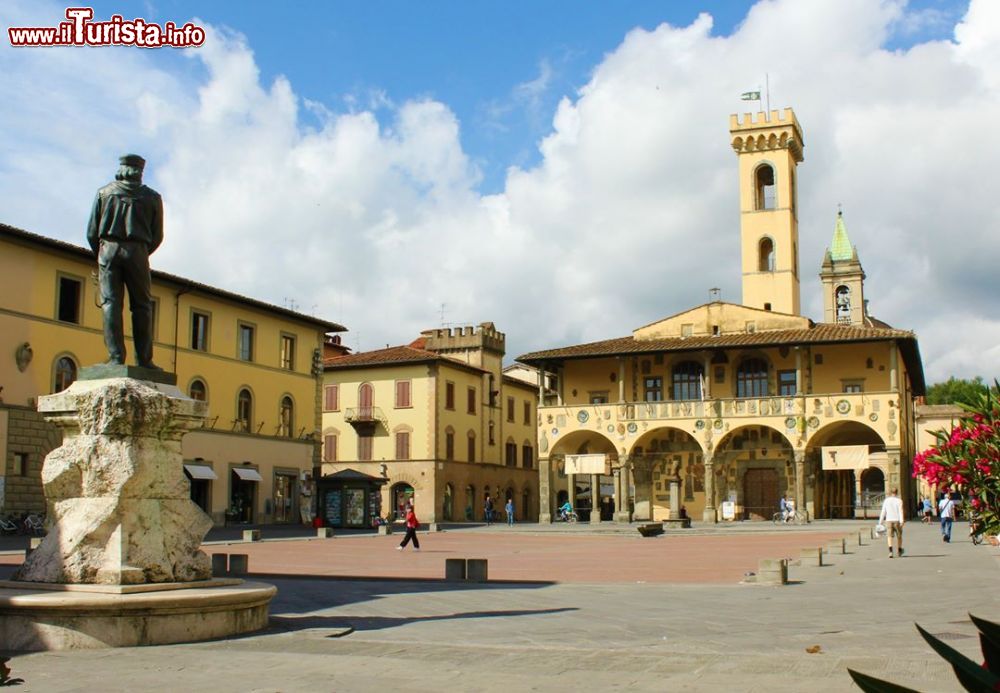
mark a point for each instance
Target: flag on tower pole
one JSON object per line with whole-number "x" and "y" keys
{"x": 750, "y": 96}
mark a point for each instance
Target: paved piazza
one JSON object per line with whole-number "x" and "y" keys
{"x": 574, "y": 610}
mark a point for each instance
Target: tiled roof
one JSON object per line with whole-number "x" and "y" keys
{"x": 87, "y": 255}
{"x": 821, "y": 333}
{"x": 393, "y": 356}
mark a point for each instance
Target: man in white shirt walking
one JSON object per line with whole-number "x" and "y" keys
{"x": 946, "y": 509}
{"x": 892, "y": 517}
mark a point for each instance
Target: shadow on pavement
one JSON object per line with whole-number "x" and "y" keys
{"x": 370, "y": 623}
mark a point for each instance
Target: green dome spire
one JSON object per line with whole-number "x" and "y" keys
{"x": 840, "y": 247}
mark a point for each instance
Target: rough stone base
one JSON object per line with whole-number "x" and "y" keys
{"x": 33, "y": 620}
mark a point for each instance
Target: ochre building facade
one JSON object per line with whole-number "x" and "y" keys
{"x": 438, "y": 422}
{"x": 258, "y": 366}
{"x": 720, "y": 410}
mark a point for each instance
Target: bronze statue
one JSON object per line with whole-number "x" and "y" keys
{"x": 126, "y": 227}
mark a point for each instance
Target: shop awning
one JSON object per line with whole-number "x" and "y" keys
{"x": 200, "y": 471}
{"x": 247, "y": 474}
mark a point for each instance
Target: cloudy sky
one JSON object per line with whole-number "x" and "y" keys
{"x": 563, "y": 171}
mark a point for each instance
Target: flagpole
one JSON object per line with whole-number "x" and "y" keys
{"x": 767, "y": 90}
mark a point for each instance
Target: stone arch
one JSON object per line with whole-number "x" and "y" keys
{"x": 754, "y": 464}
{"x": 575, "y": 443}
{"x": 836, "y": 486}
{"x": 668, "y": 468}
{"x": 65, "y": 369}
{"x": 197, "y": 385}
{"x": 765, "y": 178}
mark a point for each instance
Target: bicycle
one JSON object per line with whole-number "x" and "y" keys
{"x": 975, "y": 530}
{"x": 796, "y": 517}
{"x": 568, "y": 516}
{"x": 34, "y": 524}
{"x": 8, "y": 525}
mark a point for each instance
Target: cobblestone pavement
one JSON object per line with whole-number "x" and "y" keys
{"x": 712, "y": 634}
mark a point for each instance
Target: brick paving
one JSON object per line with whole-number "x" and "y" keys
{"x": 566, "y": 558}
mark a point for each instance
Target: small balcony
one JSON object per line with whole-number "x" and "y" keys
{"x": 363, "y": 416}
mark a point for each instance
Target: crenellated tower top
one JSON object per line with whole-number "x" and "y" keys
{"x": 765, "y": 131}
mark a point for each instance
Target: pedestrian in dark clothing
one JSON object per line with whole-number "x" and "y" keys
{"x": 411, "y": 530}
{"x": 488, "y": 510}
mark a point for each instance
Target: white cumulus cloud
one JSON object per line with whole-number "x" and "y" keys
{"x": 375, "y": 219}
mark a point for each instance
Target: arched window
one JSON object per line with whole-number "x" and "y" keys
{"x": 286, "y": 425}
{"x": 843, "y": 298}
{"x": 244, "y": 411}
{"x": 470, "y": 502}
{"x": 687, "y": 377}
{"x": 765, "y": 256}
{"x": 198, "y": 390}
{"x": 65, "y": 374}
{"x": 448, "y": 502}
{"x": 472, "y": 446}
{"x": 751, "y": 378}
{"x": 764, "y": 189}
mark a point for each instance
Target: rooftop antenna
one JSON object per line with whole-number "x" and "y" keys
{"x": 442, "y": 314}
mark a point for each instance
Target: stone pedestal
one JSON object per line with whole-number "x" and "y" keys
{"x": 122, "y": 564}
{"x": 120, "y": 503}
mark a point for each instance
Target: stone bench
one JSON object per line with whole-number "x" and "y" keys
{"x": 651, "y": 529}
{"x": 324, "y": 532}
{"x": 466, "y": 569}
{"x": 681, "y": 522}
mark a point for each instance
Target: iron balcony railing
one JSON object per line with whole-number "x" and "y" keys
{"x": 363, "y": 415}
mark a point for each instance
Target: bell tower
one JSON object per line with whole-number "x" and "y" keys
{"x": 843, "y": 280}
{"x": 769, "y": 148}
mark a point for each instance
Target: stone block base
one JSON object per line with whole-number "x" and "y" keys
{"x": 476, "y": 570}
{"x": 772, "y": 571}
{"x": 34, "y": 620}
{"x": 454, "y": 569}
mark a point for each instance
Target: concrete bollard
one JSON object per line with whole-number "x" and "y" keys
{"x": 812, "y": 556}
{"x": 772, "y": 571}
{"x": 251, "y": 535}
{"x": 454, "y": 569}
{"x": 836, "y": 546}
{"x": 239, "y": 564}
{"x": 35, "y": 542}
{"x": 220, "y": 564}
{"x": 384, "y": 530}
{"x": 476, "y": 570}
{"x": 861, "y": 538}
{"x": 434, "y": 527}
{"x": 324, "y": 532}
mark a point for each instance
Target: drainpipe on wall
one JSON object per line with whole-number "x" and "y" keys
{"x": 177, "y": 314}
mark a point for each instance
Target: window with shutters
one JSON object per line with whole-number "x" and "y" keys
{"x": 472, "y": 446}
{"x": 510, "y": 457}
{"x": 527, "y": 413}
{"x": 331, "y": 398}
{"x": 472, "y": 400}
{"x": 527, "y": 456}
{"x": 403, "y": 394}
{"x": 365, "y": 445}
{"x": 330, "y": 448}
{"x": 402, "y": 445}
{"x": 510, "y": 409}
{"x": 199, "y": 331}
{"x": 449, "y": 444}
{"x": 287, "y": 354}
{"x": 449, "y": 395}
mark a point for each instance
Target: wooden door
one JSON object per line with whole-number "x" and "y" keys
{"x": 760, "y": 494}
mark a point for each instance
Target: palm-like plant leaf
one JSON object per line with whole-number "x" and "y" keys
{"x": 972, "y": 676}
{"x": 870, "y": 684}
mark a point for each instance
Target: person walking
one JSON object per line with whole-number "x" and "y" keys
{"x": 946, "y": 509}
{"x": 509, "y": 508}
{"x": 488, "y": 510}
{"x": 411, "y": 529}
{"x": 892, "y": 517}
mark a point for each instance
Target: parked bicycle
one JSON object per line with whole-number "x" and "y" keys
{"x": 34, "y": 525}
{"x": 8, "y": 525}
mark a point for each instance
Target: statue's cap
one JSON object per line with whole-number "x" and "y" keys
{"x": 132, "y": 160}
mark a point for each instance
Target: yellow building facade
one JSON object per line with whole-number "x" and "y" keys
{"x": 438, "y": 422}
{"x": 258, "y": 366}
{"x": 719, "y": 411}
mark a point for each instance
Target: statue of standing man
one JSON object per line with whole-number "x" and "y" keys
{"x": 126, "y": 227}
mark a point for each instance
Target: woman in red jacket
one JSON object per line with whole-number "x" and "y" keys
{"x": 411, "y": 529}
